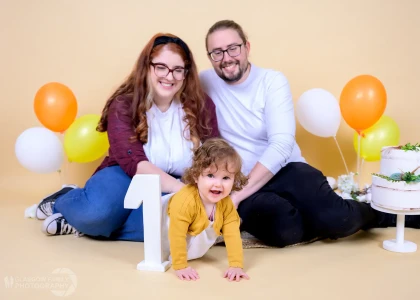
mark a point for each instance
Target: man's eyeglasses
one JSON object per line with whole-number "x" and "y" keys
{"x": 234, "y": 50}
{"x": 162, "y": 70}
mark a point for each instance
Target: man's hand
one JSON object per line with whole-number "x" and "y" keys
{"x": 187, "y": 274}
{"x": 235, "y": 274}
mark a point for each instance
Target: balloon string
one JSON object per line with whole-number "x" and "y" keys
{"x": 341, "y": 153}
{"x": 361, "y": 170}
{"x": 358, "y": 153}
{"x": 64, "y": 168}
{"x": 359, "y": 141}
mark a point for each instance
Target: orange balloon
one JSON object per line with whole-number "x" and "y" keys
{"x": 55, "y": 106}
{"x": 362, "y": 102}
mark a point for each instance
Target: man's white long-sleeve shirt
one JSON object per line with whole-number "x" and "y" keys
{"x": 256, "y": 117}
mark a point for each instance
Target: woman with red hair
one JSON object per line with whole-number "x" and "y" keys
{"x": 155, "y": 120}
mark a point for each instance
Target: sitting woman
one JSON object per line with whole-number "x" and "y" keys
{"x": 155, "y": 120}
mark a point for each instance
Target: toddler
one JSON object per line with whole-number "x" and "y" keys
{"x": 202, "y": 210}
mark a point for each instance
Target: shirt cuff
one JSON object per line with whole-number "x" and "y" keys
{"x": 270, "y": 160}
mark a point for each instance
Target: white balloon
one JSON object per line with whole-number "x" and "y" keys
{"x": 318, "y": 112}
{"x": 39, "y": 150}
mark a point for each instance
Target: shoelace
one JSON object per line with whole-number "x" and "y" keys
{"x": 66, "y": 228}
{"x": 47, "y": 208}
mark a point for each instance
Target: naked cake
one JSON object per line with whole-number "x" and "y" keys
{"x": 397, "y": 186}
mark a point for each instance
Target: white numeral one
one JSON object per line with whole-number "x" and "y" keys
{"x": 145, "y": 188}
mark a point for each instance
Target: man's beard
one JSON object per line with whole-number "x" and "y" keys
{"x": 233, "y": 77}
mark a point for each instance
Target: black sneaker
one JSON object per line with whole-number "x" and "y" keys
{"x": 57, "y": 225}
{"x": 412, "y": 221}
{"x": 45, "y": 207}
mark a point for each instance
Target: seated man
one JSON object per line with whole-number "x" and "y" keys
{"x": 286, "y": 201}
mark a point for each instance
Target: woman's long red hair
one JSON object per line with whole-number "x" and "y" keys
{"x": 137, "y": 87}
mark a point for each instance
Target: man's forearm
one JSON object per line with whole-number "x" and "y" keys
{"x": 258, "y": 177}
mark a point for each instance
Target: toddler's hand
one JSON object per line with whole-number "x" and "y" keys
{"x": 235, "y": 274}
{"x": 187, "y": 274}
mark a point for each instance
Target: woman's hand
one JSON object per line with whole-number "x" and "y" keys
{"x": 235, "y": 274}
{"x": 168, "y": 183}
{"x": 187, "y": 274}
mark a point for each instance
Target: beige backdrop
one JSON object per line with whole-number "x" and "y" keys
{"x": 92, "y": 45}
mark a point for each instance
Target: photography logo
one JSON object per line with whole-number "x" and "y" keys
{"x": 62, "y": 282}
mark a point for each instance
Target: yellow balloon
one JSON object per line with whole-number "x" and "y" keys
{"x": 383, "y": 133}
{"x": 82, "y": 143}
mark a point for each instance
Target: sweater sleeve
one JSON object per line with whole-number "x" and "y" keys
{"x": 232, "y": 235}
{"x": 210, "y": 109}
{"x": 281, "y": 125}
{"x": 180, "y": 217}
{"x": 120, "y": 129}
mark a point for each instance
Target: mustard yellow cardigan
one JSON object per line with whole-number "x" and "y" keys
{"x": 187, "y": 215}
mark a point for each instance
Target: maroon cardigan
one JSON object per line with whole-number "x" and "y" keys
{"x": 128, "y": 154}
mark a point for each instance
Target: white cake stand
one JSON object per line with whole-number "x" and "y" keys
{"x": 398, "y": 244}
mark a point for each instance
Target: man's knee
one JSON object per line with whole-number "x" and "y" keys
{"x": 335, "y": 224}
{"x": 286, "y": 236}
{"x": 273, "y": 220}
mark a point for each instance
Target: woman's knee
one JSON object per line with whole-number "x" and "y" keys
{"x": 99, "y": 220}
{"x": 99, "y": 208}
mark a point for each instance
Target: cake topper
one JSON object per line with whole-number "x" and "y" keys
{"x": 408, "y": 177}
{"x": 409, "y": 147}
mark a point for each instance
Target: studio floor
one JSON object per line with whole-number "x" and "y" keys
{"x": 35, "y": 266}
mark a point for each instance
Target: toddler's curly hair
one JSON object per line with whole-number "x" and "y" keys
{"x": 216, "y": 152}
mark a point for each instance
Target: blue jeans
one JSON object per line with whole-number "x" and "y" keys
{"x": 98, "y": 209}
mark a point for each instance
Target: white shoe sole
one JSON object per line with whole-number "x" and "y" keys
{"x": 48, "y": 221}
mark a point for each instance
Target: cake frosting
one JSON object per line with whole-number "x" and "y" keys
{"x": 396, "y": 160}
{"x": 397, "y": 186}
